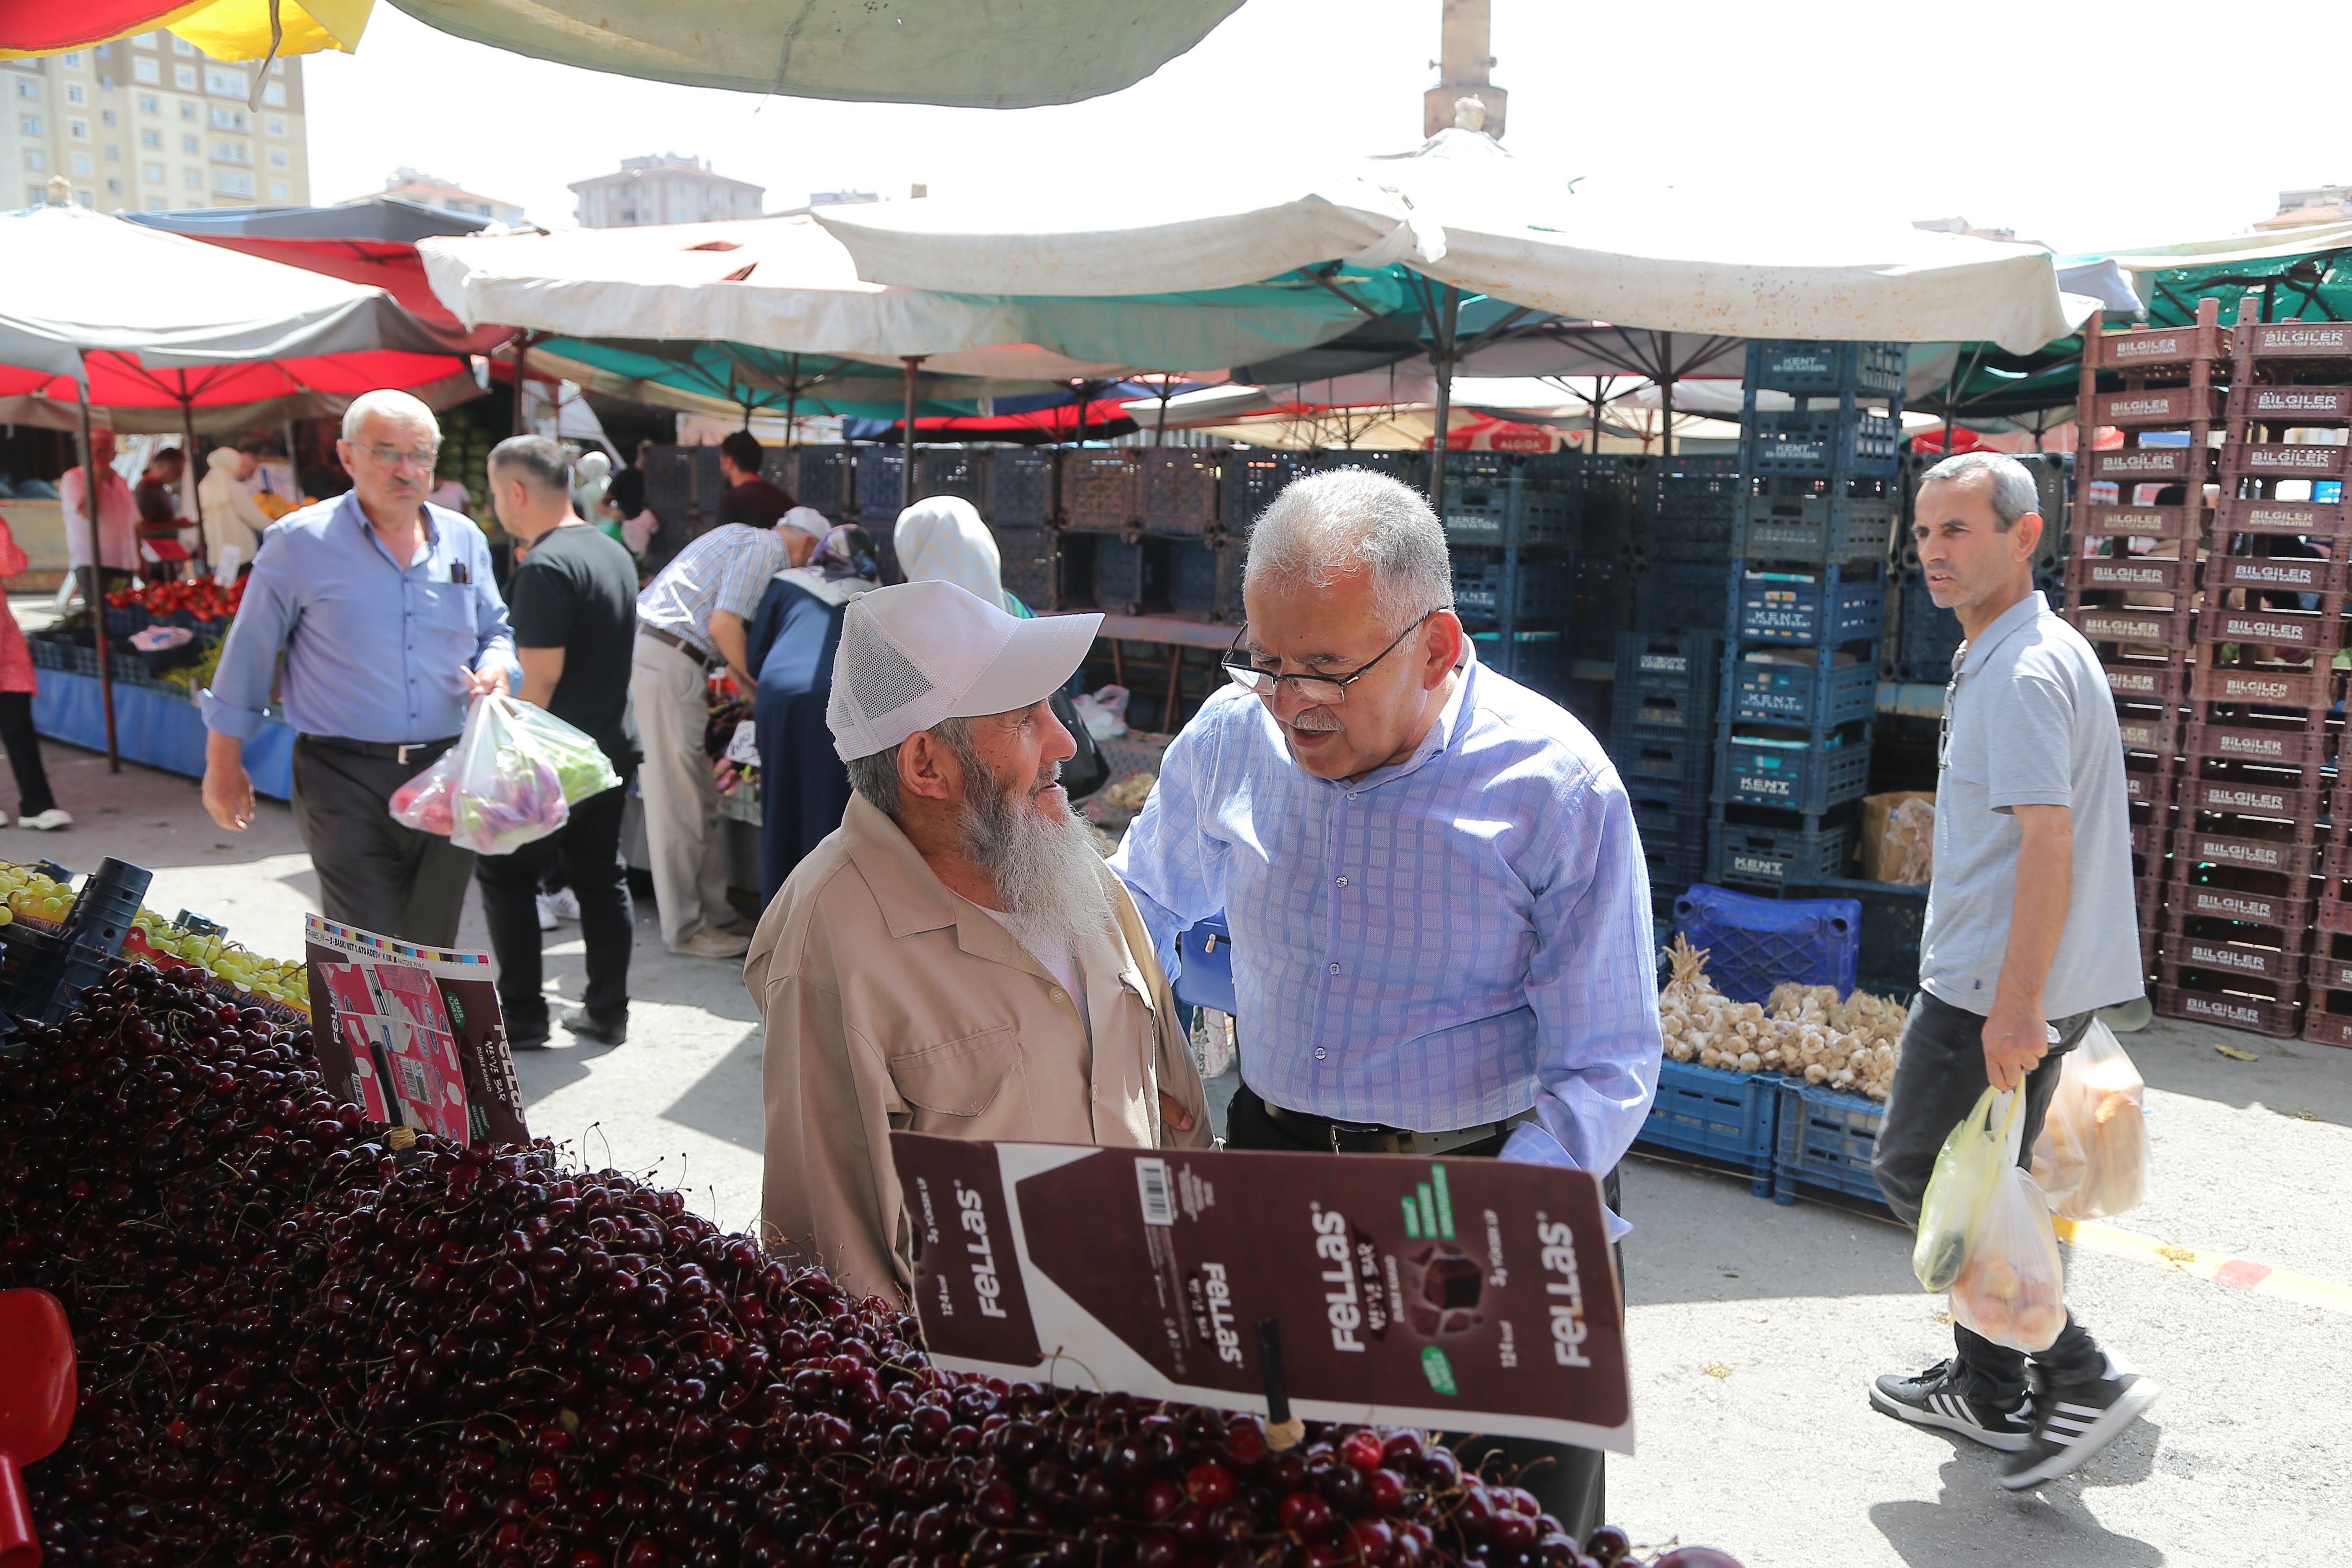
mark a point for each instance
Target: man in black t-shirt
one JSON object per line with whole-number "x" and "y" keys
{"x": 749, "y": 500}
{"x": 573, "y": 602}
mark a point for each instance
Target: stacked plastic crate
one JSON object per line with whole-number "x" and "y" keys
{"x": 1662, "y": 738}
{"x": 1512, "y": 524}
{"x": 2238, "y": 944}
{"x": 2142, "y": 518}
{"x": 1807, "y": 591}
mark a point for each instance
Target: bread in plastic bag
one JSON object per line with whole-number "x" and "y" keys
{"x": 2012, "y": 1287}
{"x": 2091, "y": 1160}
{"x": 1911, "y": 836}
{"x": 1966, "y": 1171}
{"x": 510, "y": 778}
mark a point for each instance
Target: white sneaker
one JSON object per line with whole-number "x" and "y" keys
{"x": 710, "y": 942}
{"x": 546, "y": 912}
{"x": 48, "y": 821}
{"x": 564, "y": 904}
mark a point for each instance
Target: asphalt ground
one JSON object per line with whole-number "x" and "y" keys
{"x": 1754, "y": 1329}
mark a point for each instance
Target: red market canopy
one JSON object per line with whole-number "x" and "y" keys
{"x": 136, "y": 396}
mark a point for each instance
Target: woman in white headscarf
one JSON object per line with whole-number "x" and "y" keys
{"x": 943, "y": 539}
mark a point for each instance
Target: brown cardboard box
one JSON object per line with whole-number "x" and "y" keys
{"x": 1879, "y": 859}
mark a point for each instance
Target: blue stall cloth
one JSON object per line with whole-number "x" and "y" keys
{"x": 804, "y": 785}
{"x": 157, "y": 729}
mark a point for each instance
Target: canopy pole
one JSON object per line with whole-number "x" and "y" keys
{"x": 907, "y": 435}
{"x": 792, "y": 406}
{"x": 1086, "y": 391}
{"x": 522, "y": 373}
{"x": 1598, "y": 392}
{"x": 90, "y": 503}
{"x": 1441, "y": 361}
{"x": 188, "y": 466}
{"x": 1159, "y": 436}
{"x": 1666, "y": 396}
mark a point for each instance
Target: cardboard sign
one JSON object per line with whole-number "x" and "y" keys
{"x": 413, "y": 1035}
{"x": 1462, "y": 1295}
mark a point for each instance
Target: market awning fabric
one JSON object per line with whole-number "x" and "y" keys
{"x": 224, "y": 29}
{"x": 1461, "y": 210}
{"x": 138, "y": 397}
{"x": 736, "y": 381}
{"x": 787, "y": 284}
{"x": 972, "y": 54}
{"x": 73, "y": 281}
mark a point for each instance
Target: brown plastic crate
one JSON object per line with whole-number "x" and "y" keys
{"x": 2226, "y": 895}
{"x": 1101, "y": 491}
{"x": 2148, "y": 465}
{"x": 2333, "y": 916}
{"x": 2327, "y": 1028}
{"x": 2271, "y": 800}
{"x": 2153, "y": 836}
{"x": 1179, "y": 489}
{"x": 2149, "y": 783}
{"x": 2282, "y": 461}
{"x": 2281, "y": 1020}
{"x": 2324, "y": 970}
{"x": 2257, "y": 572}
{"x": 2104, "y": 519}
{"x": 2158, "y": 731}
{"x": 2162, "y": 406}
{"x": 2307, "y": 631}
{"x": 2306, "y": 518}
{"x": 2147, "y": 680}
{"x": 2280, "y": 967}
{"x": 2295, "y": 339}
{"x": 2131, "y": 574}
{"x": 2265, "y": 685}
{"x": 2130, "y": 625}
{"x": 2131, "y": 353}
{"x": 2292, "y": 855}
{"x": 2285, "y": 403}
{"x": 2306, "y": 745}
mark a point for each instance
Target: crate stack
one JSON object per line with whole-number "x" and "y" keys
{"x": 1512, "y": 525}
{"x": 1690, "y": 509}
{"x": 1662, "y": 738}
{"x": 2238, "y": 945}
{"x": 2142, "y": 518}
{"x": 1807, "y": 589}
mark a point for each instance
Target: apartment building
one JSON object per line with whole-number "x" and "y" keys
{"x": 148, "y": 124}
{"x": 665, "y": 188}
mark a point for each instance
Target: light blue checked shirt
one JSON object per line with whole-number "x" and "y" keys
{"x": 725, "y": 569}
{"x": 1438, "y": 944}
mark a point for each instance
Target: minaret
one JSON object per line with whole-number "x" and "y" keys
{"x": 1462, "y": 73}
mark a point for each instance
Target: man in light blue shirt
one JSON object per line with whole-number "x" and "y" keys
{"x": 391, "y": 625}
{"x": 1440, "y": 911}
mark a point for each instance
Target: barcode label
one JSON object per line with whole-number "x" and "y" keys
{"x": 1151, "y": 1182}
{"x": 412, "y": 1078}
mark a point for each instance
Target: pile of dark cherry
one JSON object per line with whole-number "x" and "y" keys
{"x": 298, "y": 1348}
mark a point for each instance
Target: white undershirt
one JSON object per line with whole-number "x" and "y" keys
{"x": 1062, "y": 967}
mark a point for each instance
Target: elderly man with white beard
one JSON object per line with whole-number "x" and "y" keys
{"x": 955, "y": 958}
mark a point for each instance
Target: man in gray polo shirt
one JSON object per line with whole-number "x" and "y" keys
{"x": 2031, "y": 930}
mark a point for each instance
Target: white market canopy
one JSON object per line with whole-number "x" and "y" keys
{"x": 786, "y": 284}
{"x": 1462, "y": 211}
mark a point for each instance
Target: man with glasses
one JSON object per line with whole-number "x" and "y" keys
{"x": 1439, "y": 907}
{"x": 391, "y": 627}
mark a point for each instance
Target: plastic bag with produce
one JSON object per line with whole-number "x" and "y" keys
{"x": 2013, "y": 1287}
{"x": 510, "y": 778}
{"x": 2091, "y": 1160}
{"x": 423, "y": 803}
{"x": 1966, "y": 1170}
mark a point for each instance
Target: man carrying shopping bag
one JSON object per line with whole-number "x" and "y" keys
{"x": 2030, "y": 931}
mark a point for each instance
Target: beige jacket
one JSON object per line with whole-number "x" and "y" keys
{"x": 888, "y": 1002}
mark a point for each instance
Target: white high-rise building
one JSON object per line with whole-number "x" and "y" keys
{"x": 148, "y": 124}
{"x": 667, "y": 188}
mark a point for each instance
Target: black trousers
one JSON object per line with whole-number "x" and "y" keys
{"x": 23, "y": 743}
{"x": 583, "y": 855}
{"x": 1569, "y": 1484}
{"x": 1938, "y": 1081}
{"x": 374, "y": 873}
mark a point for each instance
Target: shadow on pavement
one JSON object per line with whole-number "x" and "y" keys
{"x": 726, "y": 1101}
{"x": 2288, "y": 1076}
{"x": 1691, "y": 1245}
{"x": 2045, "y": 1529}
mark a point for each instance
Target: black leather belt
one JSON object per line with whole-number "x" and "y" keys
{"x": 1372, "y": 1138}
{"x": 684, "y": 646}
{"x": 404, "y": 752}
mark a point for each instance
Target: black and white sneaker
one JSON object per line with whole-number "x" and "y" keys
{"x": 1940, "y": 1398}
{"x": 2075, "y": 1420}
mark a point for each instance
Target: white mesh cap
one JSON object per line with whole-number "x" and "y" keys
{"x": 919, "y": 652}
{"x": 805, "y": 519}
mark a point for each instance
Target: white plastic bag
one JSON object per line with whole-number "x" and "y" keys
{"x": 1103, "y": 712}
{"x": 2091, "y": 1160}
{"x": 2012, "y": 1288}
{"x": 510, "y": 778}
{"x": 1967, "y": 1168}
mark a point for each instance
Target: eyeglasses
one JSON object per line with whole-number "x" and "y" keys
{"x": 1316, "y": 690}
{"x": 394, "y": 458}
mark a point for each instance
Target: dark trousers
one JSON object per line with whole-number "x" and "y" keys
{"x": 584, "y": 854}
{"x": 374, "y": 873}
{"x": 1938, "y": 1081}
{"x": 1569, "y": 1484}
{"x": 33, "y": 796}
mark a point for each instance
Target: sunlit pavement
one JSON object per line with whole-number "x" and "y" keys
{"x": 1755, "y": 1328}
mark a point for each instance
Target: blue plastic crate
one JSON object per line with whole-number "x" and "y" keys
{"x": 1826, "y": 1139}
{"x": 1816, "y": 529}
{"x": 1510, "y": 510}
{"x": 1410, "y": 470}
{"x": 1732, "y": 1116}
{"x": 1773, "y": 857}
{"x": 1661, "y": 715}
{"x": 1251, "y": 478}
{"x": 1538, "y": 660}
{"x": 1680, "y": 597}
{"x": 1805, "y": 609}
{"x": 1673, "y": 829}
{"x": 1925, "y": 635}
{"x": 1809, "y": 368}
{"x": 1756, "y": 943}
{"x": 951, "y": 472}
{"x": 1205, "y": 956}
{"x": 1482, "y": 590}
{"x": 1206, "y": 579}
{"x": 1683, "y": 665}
{"x": 1791, "y": 773}
{"x": 1894, "y": 921}
{"x": 1022, "y": 488}
{"x": 1810, "y": 696}
{"x": 1820, "y": 442}
{"x": 1665, "y": 766}
{"x": 822, "y": 476}
{"x": 879, "y": 492}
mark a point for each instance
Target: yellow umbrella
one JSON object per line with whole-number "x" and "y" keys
{"x": 224, "y": 29}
